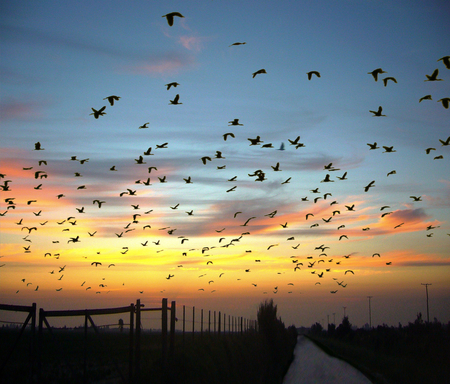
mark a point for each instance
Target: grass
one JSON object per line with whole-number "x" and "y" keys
{"x": 226, "y": 358}
{"x": 405, "y": 363}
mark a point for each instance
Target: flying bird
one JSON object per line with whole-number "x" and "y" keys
{"x": 98, "y": 113}
{"x": 433, "y": 76}
{"x": 310, "y": 73}
{"x": 175, "y": 100}
{"x": 111, "y": 99}
{"x": 173, "y": 84}
{"x": 376, "y": 72}
{"x": 170, "y": 17}
{"x": 446, "y": 61}
{"x": 259, "y": 72}
{"x": 378, "y": 113}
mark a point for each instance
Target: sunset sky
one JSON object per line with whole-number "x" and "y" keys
{"x": 231, "y": 237}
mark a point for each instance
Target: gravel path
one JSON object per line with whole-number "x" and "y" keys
{"x": 312, "y": 365}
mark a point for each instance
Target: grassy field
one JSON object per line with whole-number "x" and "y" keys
{"x": 226, "y": 358}
{"x": 412, "y": 362}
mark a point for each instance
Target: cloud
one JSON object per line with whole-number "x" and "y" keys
{"x": 14, "y": 109}
{"x": 167, "y": 64}
{"x": 191, "y": 43}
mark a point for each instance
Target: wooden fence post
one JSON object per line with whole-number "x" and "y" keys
{"x": 193, "y": 321}
{"x": 184, "y": 322}
{"x": 201, "y": 323}
{"x": 164, "y": 332}
{"x": 218, "y": 325}
{"x": 137, "y": 344}
{"x": 172, "y": 328}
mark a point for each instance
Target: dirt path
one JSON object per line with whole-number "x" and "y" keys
{"x": 312, "y": 365}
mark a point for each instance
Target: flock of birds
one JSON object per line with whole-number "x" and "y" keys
{"x": 139, "y": 226}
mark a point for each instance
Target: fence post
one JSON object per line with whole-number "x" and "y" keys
{"x": 218, "y": 326}
{"x": 85, "y": 348}
{"x": 137, "y": 344}
{"x": 209, "y": 321}
{"x": 172, "y": 328}
{"x": 184, "y": 322}
{"x": 201, "y": 323}
{"x": 193, "y": 321}
{"x": 164, "y": 332}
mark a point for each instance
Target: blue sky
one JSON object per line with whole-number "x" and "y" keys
{"x": 61, "y": 59}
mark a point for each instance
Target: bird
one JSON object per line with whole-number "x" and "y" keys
{"x": 446, "y": 61}
{"x": 378, "y": 113}
{"x": 143, "y": 126}
{"x": 445, "y": 142}
{"x": 433, "y": 76}
{"x": 173, "y": 84}
{"x": 111, "y": 99}
{"x": 225, "y": 136}
{"x": 98, "y": 113}
{"x": 310, "y": 73}
{"x": 175, "y": 100}
{"x": 416, "y": 198}
{"x": 426, "y": 97}
{"x": 234, "y": 122}
{"x": 388, "y": 149}
{"x": 376, "y": 72}
{"x": 237, "y": 44}
{"x": 386, "y": 79}
{"x": 38, "y": 147}
{"x": 205, "y": 158}
{"x": 259, "y": 72}
{"x": 343, "y": 177}
{"x": 445, "y": 102}
{"x": 170, "y": 16}
{"x": 96, "y": 263}
{"x": 428, "y": 150}
{"x": 349, "y": 270}
{"x": 371, "y": 184}
{"x": 392, "y": 173}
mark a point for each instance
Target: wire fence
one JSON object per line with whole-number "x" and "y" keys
{"x": 165, "y": 321}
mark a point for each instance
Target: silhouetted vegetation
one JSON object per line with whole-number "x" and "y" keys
{"x": 280, "y": 341}
{"x": 416, "y": 353}
{"x": 249, "y": 357}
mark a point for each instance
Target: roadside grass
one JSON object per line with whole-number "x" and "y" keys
{"x": 401, "y": 364}
{"x": 208, "y": 358}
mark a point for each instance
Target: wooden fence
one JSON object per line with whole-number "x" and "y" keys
{"x": 216, "y": 323}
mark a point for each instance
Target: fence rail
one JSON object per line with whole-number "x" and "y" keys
{"x": 216, "y": 323}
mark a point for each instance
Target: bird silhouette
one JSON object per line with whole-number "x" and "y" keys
{"x": 445, "y": 142}
{"x": 433, "y": 76}
{"x": 259, "y": 72}
{"x": 376, "y": 72}
{"x": 111, "y": 99}
{"x": 378, "y": 112}
{"x": 386, "y": 79}
{"x": 98, "y": 113}
{"x": 446, "y": 61}
{"x": 173, "y": 84}
{"x": 175, "y": 100}
{"x": 170, "y": 17}
{"x": 310, "y": 73}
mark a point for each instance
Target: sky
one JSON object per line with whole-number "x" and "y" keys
{"x": 310, "y": 216}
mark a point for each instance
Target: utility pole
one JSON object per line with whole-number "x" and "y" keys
{"x": 370, "y": 312}
{"x": 428, "y": 312}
